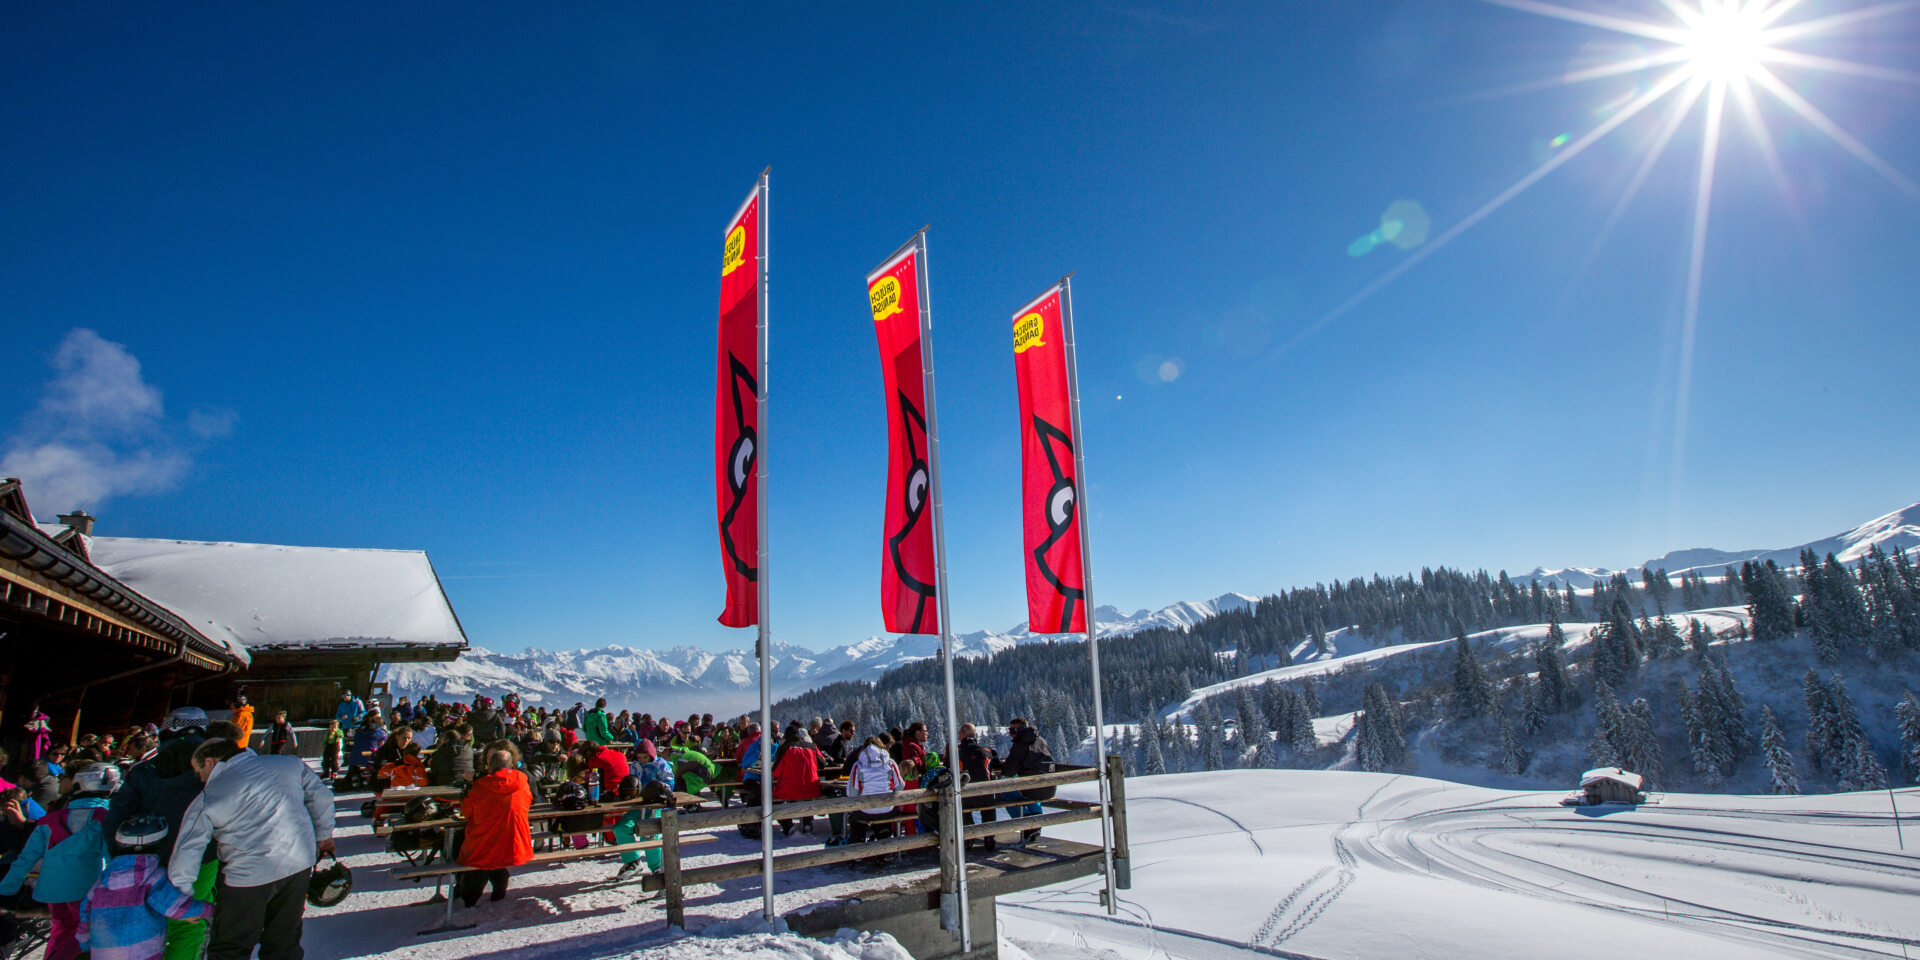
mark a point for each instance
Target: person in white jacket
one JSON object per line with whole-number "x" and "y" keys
{"x": 874, "y": 773}
{"x": 270, "y": 818}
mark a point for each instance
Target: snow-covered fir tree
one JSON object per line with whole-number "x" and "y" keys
{"x": 1640, "y": 749}
{"x": 1781, "y": 778}
{"x": 1513, "y": 759}
{"x": 1389, "y": 739}
{"x": 1907, "y": 712}
{"x": 1603, "y": 748}
{"x": 1472, "y": 691}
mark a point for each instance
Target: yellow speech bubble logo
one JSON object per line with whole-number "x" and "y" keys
{"x": 1027, "y": 332}
{"x": 736, "y": 250}
{"x": 884, "y": 297}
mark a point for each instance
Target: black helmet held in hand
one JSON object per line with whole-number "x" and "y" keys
{"x": 330, "y": 885}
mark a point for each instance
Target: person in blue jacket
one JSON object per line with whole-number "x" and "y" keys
{"x": 69, "y": 847}
{"x": 350, "y": 710}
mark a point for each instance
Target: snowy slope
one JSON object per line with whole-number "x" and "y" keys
{"x": 1719, "y": 620}
{"x": 1247, "y": 864}
{"x": 1357, "y": 865}
{"x": 1899, "y": 530}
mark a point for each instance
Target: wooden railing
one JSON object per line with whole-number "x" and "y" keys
{"x": 672, "y": 824}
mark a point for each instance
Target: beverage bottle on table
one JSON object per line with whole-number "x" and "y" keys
{"x": 593, "y": 786}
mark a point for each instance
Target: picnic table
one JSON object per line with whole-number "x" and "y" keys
{"x": 449, "y": 827}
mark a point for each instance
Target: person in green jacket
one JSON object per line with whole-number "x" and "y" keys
{"x": 692, "y": 769}
{"x": 595, "y": 726}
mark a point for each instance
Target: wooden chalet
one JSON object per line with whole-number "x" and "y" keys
{"x": 104, "y": 632}
{"x": 79, "y": 644}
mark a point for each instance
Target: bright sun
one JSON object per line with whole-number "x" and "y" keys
{"x": 1725, "y": 43}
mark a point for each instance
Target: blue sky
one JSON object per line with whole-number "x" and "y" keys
{"x": 447, "y": 280}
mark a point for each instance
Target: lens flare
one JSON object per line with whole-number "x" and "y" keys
{"x": 1723, "y": 54}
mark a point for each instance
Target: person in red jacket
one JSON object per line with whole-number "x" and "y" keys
{"x": 797, "y": 775}
{"x": 498, "y": 835}
{"x": 609, "y": 762}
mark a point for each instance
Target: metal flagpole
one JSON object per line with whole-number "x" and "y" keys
{"x": 952, "y": 905}
{"x": 1112, "y": 895}
{"x": 761, "y": 579}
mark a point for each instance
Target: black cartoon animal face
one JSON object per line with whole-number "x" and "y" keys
{"x": 914, "y": 492}
{"x": 1062, "y": 502}
{"x": 740, "y": 463}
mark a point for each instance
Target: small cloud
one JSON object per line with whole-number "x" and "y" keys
{"x": 210, "y": 423}
{"x": 100, "y": 430}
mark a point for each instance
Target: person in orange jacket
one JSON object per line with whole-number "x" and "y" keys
{"x": 498, "y": 835}
{"x": 407, "y": 772}
{"x": 243, "y": 718}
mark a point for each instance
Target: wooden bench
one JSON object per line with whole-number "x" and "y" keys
{"x": 448, "y": 870}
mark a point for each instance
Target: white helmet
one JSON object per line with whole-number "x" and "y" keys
{"x": 99, "y": 778}
{"x": 185, "y": 718}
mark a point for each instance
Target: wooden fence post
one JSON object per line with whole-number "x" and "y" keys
{"x": 1117, "y": 795}
{"x": 670, "y": 865}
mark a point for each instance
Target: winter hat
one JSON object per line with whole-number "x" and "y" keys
{"x": 185, "y": 718}
{"x": 99, "y": 778}
{"x": 648, "y": 750}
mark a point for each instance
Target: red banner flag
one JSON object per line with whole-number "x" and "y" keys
{"x": 736, "y": 415}
{"x": 1049, "y": 495}
{"x": 907, "y": 574}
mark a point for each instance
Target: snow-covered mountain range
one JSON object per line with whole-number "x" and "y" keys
{"x": 1899, "y": 530}
{"x": 685, "y": 679}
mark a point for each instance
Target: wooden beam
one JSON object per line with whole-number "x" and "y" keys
{"x": 670, "y": 867}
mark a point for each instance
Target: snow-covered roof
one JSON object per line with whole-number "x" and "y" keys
{"x": 262, "y": 596}
{"x": 1614, "y": 774}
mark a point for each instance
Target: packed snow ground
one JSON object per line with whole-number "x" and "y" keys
{"x": 1364, "y": 865}
{"x": 1277, "y": 863}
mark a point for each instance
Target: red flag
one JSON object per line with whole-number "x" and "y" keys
{"x": 736, "y": 416}
{"x": 907, "y": 574}
{"x": 1049, "y": 495}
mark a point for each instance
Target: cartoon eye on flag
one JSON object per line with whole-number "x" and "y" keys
{"x": 1049, "y": 493}
{"x": 909, "y": 577}
{"x": 736, "y": 438}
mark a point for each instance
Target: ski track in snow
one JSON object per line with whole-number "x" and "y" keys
{"x": 1742, "y": 876}
{"x": 1460, "y": 844}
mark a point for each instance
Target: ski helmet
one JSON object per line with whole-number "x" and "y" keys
{"x": 329, "y": 886}
{"x": 185, "y": 718}
{"x": 99, "y": 778}
{"x": 143, "y": 832}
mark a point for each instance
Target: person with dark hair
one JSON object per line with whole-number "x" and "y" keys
{"x": 913, "y": 750}
{"x": 271, "y": 819}
{"x": 280, "y": 737}
{"x": 1027, "y": 756}
{"x": 976, "y": 762}
{"x": 452, "y": 761}
{"x": 595, "y": 725}
{"x": 486, "y": 722}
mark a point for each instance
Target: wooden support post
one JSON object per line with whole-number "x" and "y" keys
{"x": 670, "y": 866}
{"x": 1117, "y": 796}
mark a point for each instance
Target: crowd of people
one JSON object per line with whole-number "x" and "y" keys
{"x": 508, "y": 750}
{"x": 175, "y": 839}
